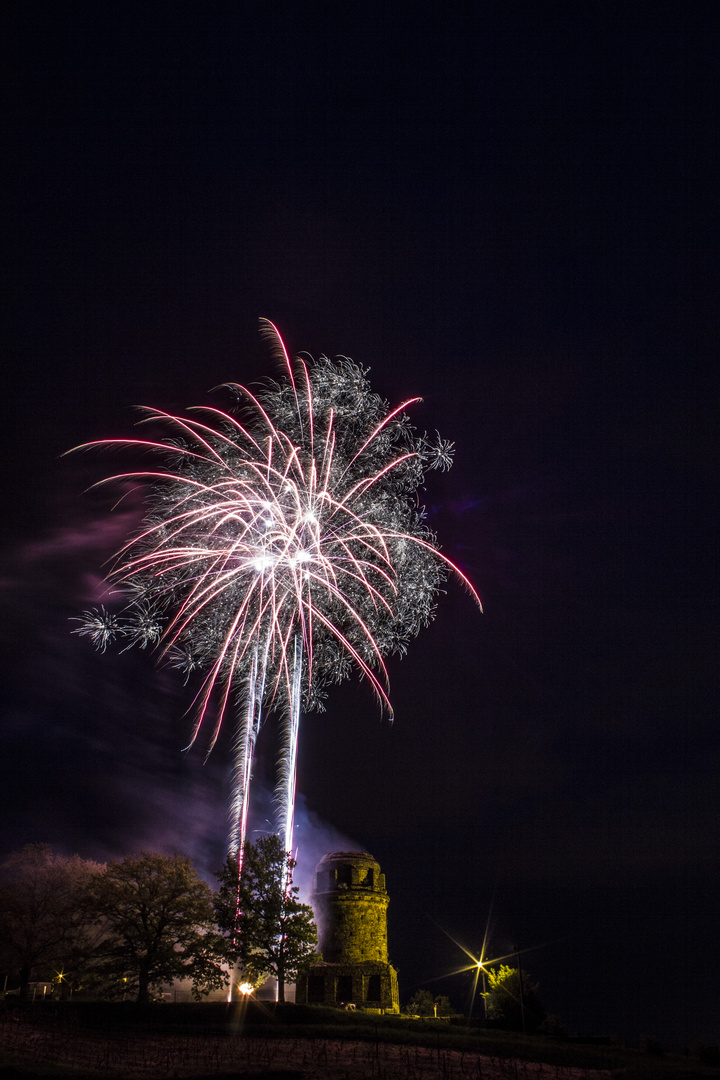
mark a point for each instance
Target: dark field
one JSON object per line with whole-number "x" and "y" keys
{"x": 295, "y": 1043}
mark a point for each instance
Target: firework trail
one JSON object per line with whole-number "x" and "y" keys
{"x": 279, "y": 554}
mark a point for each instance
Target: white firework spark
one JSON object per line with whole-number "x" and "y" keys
{"x": 281, "y": 553}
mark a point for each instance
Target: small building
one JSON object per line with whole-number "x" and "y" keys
{"x": 350, "y": 903}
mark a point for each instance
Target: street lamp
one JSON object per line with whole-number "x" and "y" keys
{"x": 522, "y": 995}
{"x": 481, "y": 968}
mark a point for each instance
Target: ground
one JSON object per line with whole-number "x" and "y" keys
{"x": 40, "y": 1043}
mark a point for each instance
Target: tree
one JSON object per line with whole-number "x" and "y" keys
{"x": 512, "y": 999}
{"x": 159, "y": 924}
{"x": 45, "y": 921}
{"x": 422, "y": 1003}
{"x": 267, "y": 929}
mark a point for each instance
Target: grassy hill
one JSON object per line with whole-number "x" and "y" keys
{"x": 293, "y": 1042}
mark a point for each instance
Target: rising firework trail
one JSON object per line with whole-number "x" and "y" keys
{"x": 283, "y": 547}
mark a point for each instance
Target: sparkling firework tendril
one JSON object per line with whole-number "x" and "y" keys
{"x": 280, "y": 553}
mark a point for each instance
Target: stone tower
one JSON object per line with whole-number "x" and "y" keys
{"x": 350, "y": 904}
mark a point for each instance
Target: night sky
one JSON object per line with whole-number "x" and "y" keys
{"x": 511, "y": 210}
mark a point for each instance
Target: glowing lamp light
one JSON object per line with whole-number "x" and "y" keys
{"x": 245, "y": 988}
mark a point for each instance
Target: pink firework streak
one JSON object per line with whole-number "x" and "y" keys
{"x": 280, "y": 553}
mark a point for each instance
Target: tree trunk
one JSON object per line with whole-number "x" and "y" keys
{"x": 25, "y": 973}
{"x": 143, "y": 986}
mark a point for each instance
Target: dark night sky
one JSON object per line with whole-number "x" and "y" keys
{"x": 511, "y": 210}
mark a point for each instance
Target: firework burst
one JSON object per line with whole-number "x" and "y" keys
{"x": 282, "y": 549}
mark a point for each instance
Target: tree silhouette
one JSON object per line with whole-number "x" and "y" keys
{"x": 159, "y": 924}
{"x": 422, "y": 1003}
{"x": 267, "y": 929}
{"x": 512, "y": 999}
{"x": 46, "y": 927}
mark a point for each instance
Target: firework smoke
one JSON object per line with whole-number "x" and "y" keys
{"x": 279, "y": 554}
